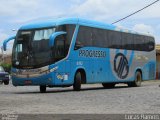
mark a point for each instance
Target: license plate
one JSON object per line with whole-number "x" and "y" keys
{"x": 28, "y": 82}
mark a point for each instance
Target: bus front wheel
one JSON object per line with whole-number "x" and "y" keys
{"x": 77, "y": 82}
{"x": 42, "y": 89}
{"x": 137, "y": 81}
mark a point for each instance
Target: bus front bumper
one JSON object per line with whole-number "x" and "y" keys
{"x": 47, "y": 79}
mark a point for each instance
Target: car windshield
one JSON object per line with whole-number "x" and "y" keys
{"x": 1, "y": 69}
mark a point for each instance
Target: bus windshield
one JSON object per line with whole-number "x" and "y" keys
{"x": 31, "y": 48}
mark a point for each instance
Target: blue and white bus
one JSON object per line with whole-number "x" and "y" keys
{"x": 73, "y": 51}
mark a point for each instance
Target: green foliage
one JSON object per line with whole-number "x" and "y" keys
{"x": 6, "y": 66}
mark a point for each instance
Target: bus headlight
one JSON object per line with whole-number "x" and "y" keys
{"x": 53, "y": 69}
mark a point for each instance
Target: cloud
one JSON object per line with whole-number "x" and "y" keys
{"x": 3, "y": 36}
{"x": 12, "y": 8}
{"x": 95, "y": 9}
{"x": 143, "y": 28}
{"x": 22, "y": 11}
{"x": 158, "y": 27}
{"x": 111, "y": 10}
{"x": 102, "y": 10}
{"x": 151, "y": 12}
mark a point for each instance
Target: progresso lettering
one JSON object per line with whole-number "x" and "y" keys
{"x": 92, "y": 53}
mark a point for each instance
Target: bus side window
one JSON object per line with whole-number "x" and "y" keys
{"x": 84, "y": 37}
{"x": 151, "y": 44}
{"x": 114, "y": 38}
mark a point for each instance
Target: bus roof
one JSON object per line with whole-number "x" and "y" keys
{"x": 80, "y": 21}
{"x": 50, "y": 23}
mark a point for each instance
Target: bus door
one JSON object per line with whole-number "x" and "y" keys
{"x": 64, "y": 65}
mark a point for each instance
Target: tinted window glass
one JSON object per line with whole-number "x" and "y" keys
{"x": 114, "y": 38}
{"x": 96, "y": 37}
{"x": 143, "y": 43}
{"x": 151, "y": 44}
{"x": 127, "y": 41}
{"x": 137, "y": 42}
{"x": 84, "y": 37}
{"x": 99, "y": 37}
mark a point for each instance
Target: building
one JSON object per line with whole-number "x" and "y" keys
{"x": 158, "y": 61}
{"x": 5, "y": 59}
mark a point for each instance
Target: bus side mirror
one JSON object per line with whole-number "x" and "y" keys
{"x": 53, "y": 36}
{"x": 6, "y": 41}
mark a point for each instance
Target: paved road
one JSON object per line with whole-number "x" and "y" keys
{"x": 92, "y": 99}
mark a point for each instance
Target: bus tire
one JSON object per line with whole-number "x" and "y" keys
{"x": 77, "y": 82}
{"x": 6, "y": 82}
{"x": 1, "y": 82}
{"x": 42, "y": 88}
{"x": 108, "y": 85}
{"x": 137, "y": 81}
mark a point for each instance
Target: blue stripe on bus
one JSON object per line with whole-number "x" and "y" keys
{"x": 131, "y": 58}
{"x": 117, "y": 51}
{"x": 125, "y": 52}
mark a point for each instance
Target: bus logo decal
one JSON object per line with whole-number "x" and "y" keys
{"x": 121, "y": 66}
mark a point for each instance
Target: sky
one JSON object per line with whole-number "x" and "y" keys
{"x": 15, "y": 13}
